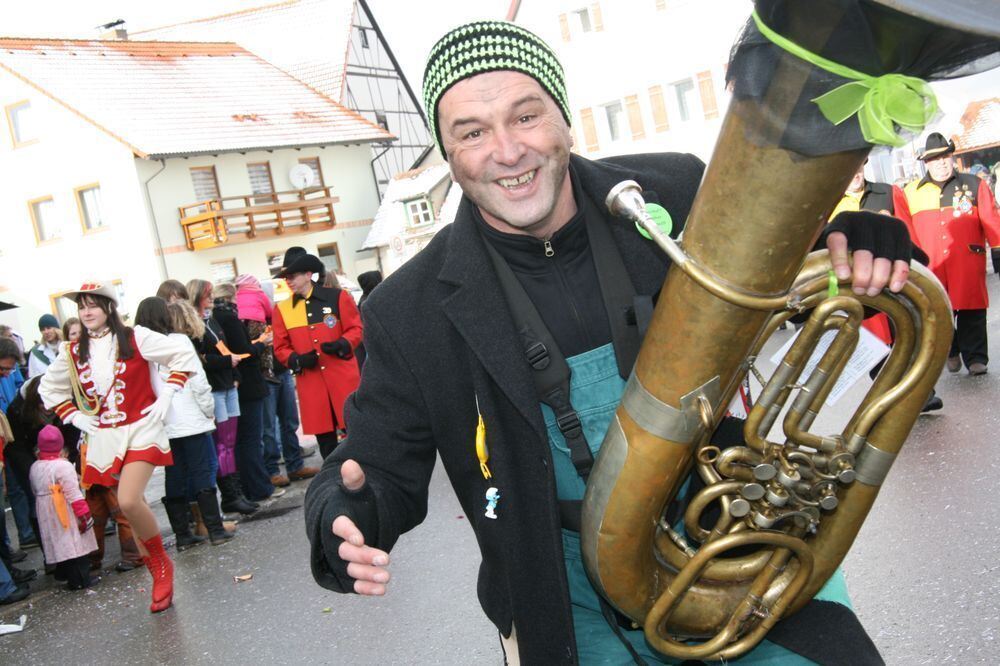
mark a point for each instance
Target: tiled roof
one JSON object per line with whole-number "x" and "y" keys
{"x": 390, "y": 220}
{"x": 176, "y": 98}
{"x": 306, "y": 38}
{"x": 980, "y": 125}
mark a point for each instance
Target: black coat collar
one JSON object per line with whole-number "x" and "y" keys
{"x": 319, "y": 293}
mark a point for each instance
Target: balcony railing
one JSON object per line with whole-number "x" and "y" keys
{"x": 228, "y": 220}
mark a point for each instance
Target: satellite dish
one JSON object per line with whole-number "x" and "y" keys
{"x": 301, "y": 176}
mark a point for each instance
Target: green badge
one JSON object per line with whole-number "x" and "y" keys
{"x": 660, "y": 216}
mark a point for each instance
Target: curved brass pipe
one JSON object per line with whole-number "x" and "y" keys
{"x": 705, "y": 597}
{"x": 728, "y": 637}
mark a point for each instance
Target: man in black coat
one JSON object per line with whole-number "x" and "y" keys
{"x": 443, "y": 350}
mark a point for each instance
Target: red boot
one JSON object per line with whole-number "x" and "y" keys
{"x": 162, "y": 570}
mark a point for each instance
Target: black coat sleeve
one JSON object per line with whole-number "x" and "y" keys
{"x": 237, "y": 338}
{"x": 390, "y": 437}
{"x": 211, "y": 358}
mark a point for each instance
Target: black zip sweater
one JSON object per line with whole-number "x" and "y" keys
{"x": 560, "y": 278}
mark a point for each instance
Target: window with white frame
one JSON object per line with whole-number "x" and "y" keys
{"x": 274, "y": 262}
{"x": 330, "y": 256}
{"x": 261, "y": 182}
{"x": 206, "y": 185}
{"x": 419, "y": 212}
{"x": 62, "y": 308}
{"x": 22, "y": 120}
{"x": 45, "y": 220}
{"x": 686, "y": 97}
{"x": 223, "y": 270}
{"x": 313, "y": 163}
{"x": 615, "y": 113}
{"x": 582, "y": 18}
{"x": 88, "y": 202}
{"x": 120, "y": 292}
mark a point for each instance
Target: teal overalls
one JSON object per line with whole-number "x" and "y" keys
{"x": 595, "y": 391}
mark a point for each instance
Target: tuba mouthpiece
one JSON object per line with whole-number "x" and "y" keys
{"x": 625, "y": 200}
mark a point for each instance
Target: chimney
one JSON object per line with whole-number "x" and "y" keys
{"x": 114, "y": 31}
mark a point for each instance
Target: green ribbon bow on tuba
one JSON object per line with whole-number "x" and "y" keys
{"x": 880, "y": 102}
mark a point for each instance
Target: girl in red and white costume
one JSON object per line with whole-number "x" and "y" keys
{"x": 120, "y": 415}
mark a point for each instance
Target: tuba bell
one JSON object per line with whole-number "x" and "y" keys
{"x": 781, "y": 512}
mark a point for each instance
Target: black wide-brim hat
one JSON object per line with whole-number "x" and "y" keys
{"x": 303, "y": 263}
{"x": 936, "y": 146}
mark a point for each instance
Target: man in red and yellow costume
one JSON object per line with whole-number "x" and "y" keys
{"x": 952, "y": 216}
{"x": 863, "y": 194}
{"x": 315, "y": 334}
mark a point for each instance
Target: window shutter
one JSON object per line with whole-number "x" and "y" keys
{"x": 635, "y": 117}
{"x": 260, "y": 182}
{"x": 223, "y": 271}
{"x": 659, "y": 108}
{"x": 313, "y": 163}
{"x": 206, "y": 187}
{"x": 589, "y": 130}
{"x": 708, "y": 104}
{"x": 260, "y": 178}
{"x": 564, "y": 27}
{"x": 595, "y": 9}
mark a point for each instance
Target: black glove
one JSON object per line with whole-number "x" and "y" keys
{"x": 359, "y": 506}
{"x": 995, "y": 256}
{"x": 884, "y": 236}
{"x": 340, "y": 348}
{"x": 300, "y": 362}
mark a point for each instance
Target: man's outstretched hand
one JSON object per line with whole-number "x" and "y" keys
{"x": 882, "y": 251}
{"x": 366, "y": 565}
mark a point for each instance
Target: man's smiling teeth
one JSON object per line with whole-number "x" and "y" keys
{"x": 514, "y": 182}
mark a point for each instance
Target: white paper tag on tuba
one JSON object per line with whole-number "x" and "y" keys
{"x": 869, "y": 352}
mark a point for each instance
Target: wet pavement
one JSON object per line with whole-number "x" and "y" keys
{"x": 924, "y": 573}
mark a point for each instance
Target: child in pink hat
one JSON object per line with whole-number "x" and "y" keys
{"x": 63, "y": 515}
{"x": 251, "y": 301}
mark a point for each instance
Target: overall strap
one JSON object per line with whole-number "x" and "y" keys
{"x": 550, "y": 370}
{"x": 552, "y": 374}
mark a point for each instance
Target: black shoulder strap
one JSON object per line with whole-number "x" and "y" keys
{"x": 619, "y": 296}
{"x": 550, "y": 370}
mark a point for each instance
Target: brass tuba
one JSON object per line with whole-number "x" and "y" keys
{"x": 788, "y": 510}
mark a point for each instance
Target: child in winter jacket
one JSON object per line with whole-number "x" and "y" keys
{"x": 63, "y": 515}
{"x": 252, "y": 304}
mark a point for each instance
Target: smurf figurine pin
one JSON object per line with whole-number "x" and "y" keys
{"x": 492, "y": 497}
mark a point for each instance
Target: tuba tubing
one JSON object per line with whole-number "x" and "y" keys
{"x": 756, "y": 216}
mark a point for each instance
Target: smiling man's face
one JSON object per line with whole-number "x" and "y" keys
{"x": 508, "y": 146}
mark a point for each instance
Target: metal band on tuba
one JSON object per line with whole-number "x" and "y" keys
{"x": 786, "y": 509}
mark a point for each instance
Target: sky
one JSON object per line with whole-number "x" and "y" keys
{"x": 411, "y": 28}
{"x": 407, "y": 24}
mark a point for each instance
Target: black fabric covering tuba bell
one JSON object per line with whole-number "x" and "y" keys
{"x": 864, "y": 35}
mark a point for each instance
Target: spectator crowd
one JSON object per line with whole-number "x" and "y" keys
{"x": 231, "y": 421}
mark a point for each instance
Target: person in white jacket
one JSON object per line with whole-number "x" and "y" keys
{"x": 189, "y": 425}
{"x": 102, "y": 384}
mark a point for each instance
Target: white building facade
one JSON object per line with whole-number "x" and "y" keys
{"x": 642, "y": 75}
{"x": 102, "y": 176}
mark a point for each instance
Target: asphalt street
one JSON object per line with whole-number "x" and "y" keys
{"x": 923, "y": 574}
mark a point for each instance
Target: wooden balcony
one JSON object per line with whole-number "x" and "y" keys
{"x": 229, "y": 220}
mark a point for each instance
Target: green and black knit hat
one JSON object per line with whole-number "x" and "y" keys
{"x": 489, "y": 46}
